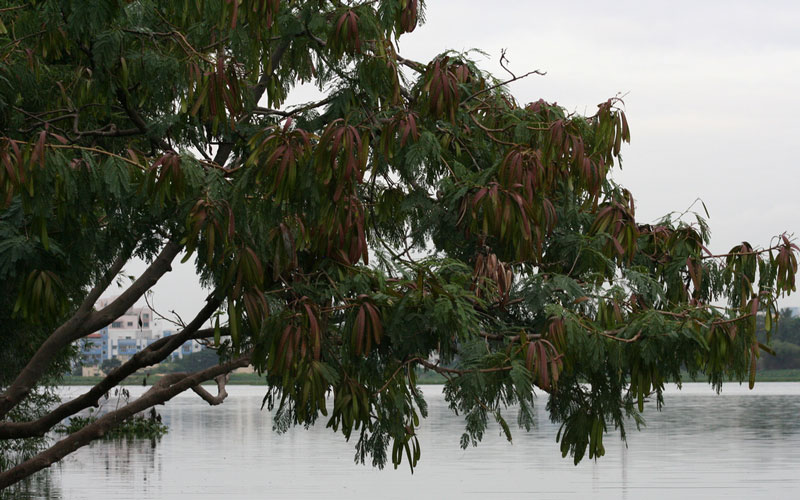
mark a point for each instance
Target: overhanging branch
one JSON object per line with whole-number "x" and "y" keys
{"x": 85, "y": 321}
{"x": 221, "y": 381}
{"x": 154, "y": 353}
{"x": 159, "y": 267}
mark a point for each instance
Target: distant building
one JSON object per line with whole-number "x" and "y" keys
{"x": 91, "y": 371}
{"x": 95, "y": 347}
{"x": 128, "y": 334}
{"x": 132, "y": 332}
{"x": 188, "y": 347}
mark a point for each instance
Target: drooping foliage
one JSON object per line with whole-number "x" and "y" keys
{"x": 416, "y": 217}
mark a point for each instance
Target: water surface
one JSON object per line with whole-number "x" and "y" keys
{"x": 740, "y": 444}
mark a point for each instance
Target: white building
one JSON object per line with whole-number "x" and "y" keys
{"x": 129, "y": 333}
{"x": 137, "y": 329}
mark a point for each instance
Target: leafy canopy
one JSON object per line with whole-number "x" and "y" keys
{"x": 128, "y": 125}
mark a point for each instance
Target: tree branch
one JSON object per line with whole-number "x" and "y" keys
{"x": 740, "y": 254}
{"x": 83, "y": 148}
{"x": 506, "y": 82}
{"x": 86, "y": 321}
{"x": 160, "y": 266}
{"x": 221, "y": 380}
{"x": 38, "y": 365}
{"x": 294, "y": 111}
{"x": 454, "y": 371}
{"x": 416, "y": 66}
{"x": 154, "y": 353}
{"x": 139, "y": 122}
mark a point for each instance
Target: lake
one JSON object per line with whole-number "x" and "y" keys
{"x": 740, "y": 444}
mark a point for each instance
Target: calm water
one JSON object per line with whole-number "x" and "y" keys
{"x": 741, "y": 444}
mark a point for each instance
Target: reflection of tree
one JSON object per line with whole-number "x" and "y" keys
{"x": 125, "y": 457}
{"x": 35, "y": 487}
{"x": 743, "y": 415}
{"x": 134, "y": 460}
{"x": 104, "y": 466}
{"x": 13, "y": 451}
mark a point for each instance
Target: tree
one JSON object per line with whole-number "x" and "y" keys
{"x": 109, "y": 364}
{"x": 785, "y": 342}
{"x": 416, "y": 216}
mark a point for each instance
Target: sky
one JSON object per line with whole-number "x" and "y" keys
{"x": 711, "y": 92}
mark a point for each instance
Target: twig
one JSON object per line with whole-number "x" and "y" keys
{"x": 399, "y": 368}
{"x": 503, "y": 59}
{"x": 754, "y": 252}
{"x": 489, "y": 132}
{"x": 152, "y": 308}
{"x": 442, "y": 369}
{"x": 86, "y": 148}
{"x": 294, "y": 111}
{"x": 492, "y": 87}
{"x": 620, "y": 339}
{"x": 8, "y": 9}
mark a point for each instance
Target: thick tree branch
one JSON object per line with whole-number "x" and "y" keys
{"x": 38, "y": 365}
{"x": 103, "y": 283}
{"x": 221, "y": 381}
{"x": 139, "y": 122}
{"x": 85, "y": 321}
{"x": 160, "y": 266}
{"x": 154, "y": 353}
{"x": 416, "y": 66}
{"x": 154, "y": 396}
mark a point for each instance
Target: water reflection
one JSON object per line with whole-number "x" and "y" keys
{"x": 38, "y": 486}
{"x": 741, "y": 444}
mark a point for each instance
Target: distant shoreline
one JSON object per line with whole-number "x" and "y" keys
{"x": 422, "y": 379}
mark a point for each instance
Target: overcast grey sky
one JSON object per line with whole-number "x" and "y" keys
{"x": 712, "y": 95}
